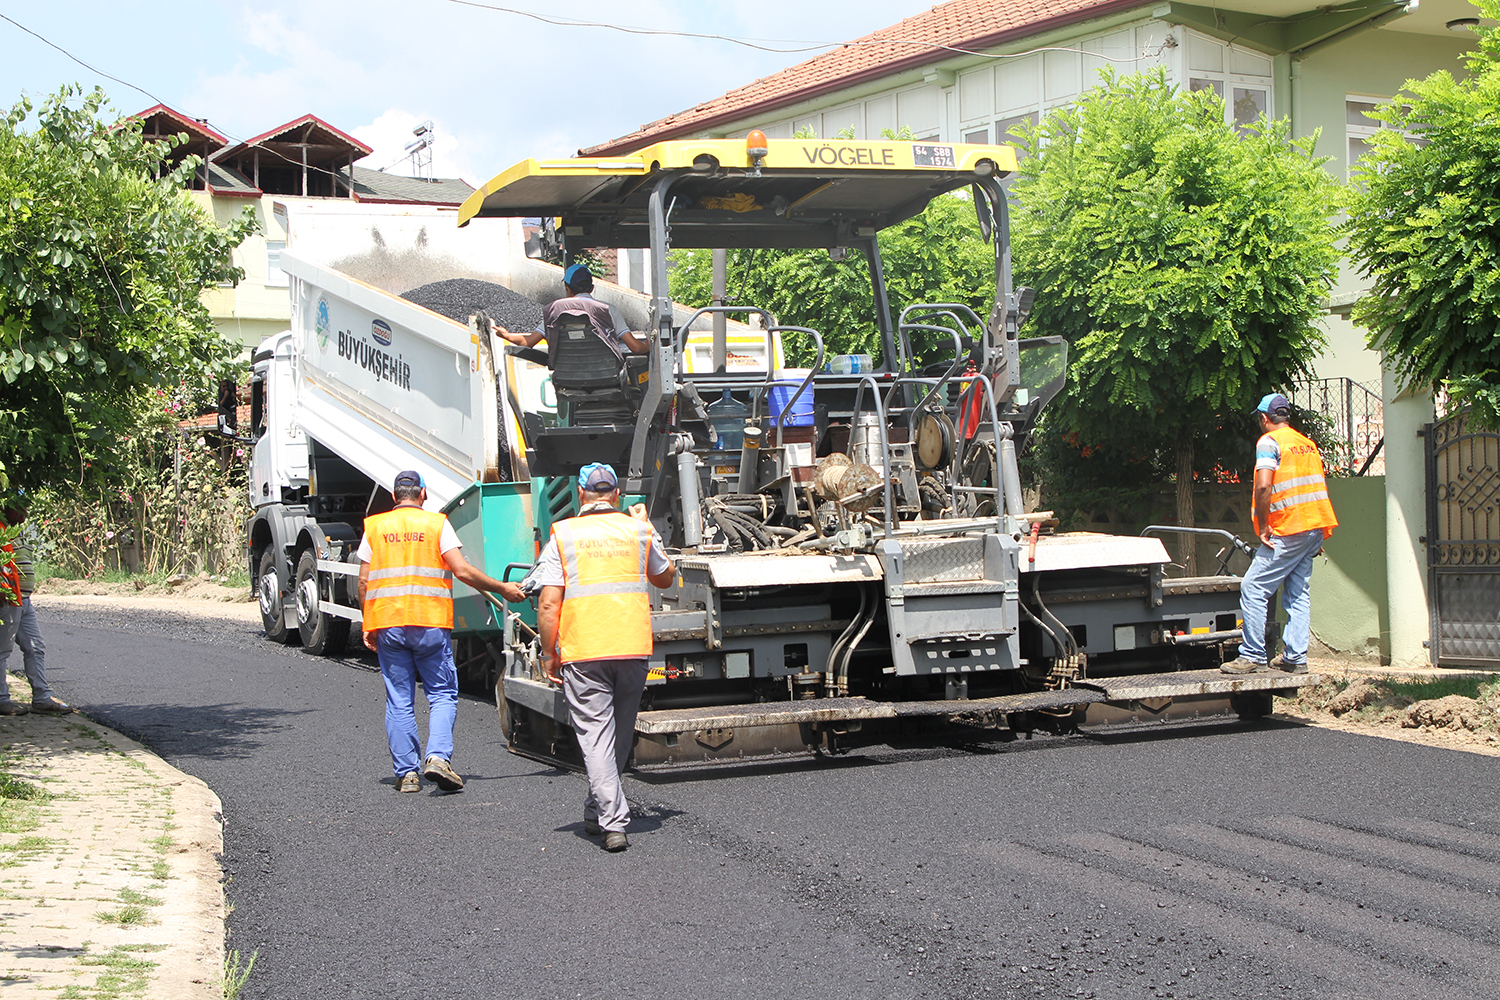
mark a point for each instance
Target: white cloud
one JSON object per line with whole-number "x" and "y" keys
{"x": 391, "y": 133}
{"x": 500, "y": 87}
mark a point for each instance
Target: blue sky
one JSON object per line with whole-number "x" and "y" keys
{"x": 499, "y": 86}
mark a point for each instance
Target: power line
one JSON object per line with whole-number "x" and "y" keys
{"x": 158, "y": 100}
{"x": 92, "y": 69}
{"x": 786, "y": 46}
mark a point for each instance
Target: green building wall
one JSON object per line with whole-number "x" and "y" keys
{"x": 1349, "y": 594}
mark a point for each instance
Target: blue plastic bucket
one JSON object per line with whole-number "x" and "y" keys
{"x": 801, "y": 413}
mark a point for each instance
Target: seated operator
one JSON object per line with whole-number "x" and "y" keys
{"x": 603, "y": 319}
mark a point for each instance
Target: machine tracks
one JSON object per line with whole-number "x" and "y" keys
{"x": 1407, "y": 908}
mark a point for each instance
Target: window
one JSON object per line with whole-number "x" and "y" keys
{"x": 1239, "y": 77}
{"x": 981, "y": 137}
{"x": 1360, "y": 128}
{"x": 1250, "y": 103}
{"x": 275, "y": 276}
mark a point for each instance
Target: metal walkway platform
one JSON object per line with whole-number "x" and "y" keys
{"x": 1094, "y": 691}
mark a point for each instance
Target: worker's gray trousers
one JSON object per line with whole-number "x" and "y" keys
{"x": 604, "y": 697}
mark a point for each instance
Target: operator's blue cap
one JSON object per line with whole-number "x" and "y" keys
{"x": 570, "y": 276}
{"x": 597, "y": 477}
{"x": 1274, "y": 404}
{"x": 411, "y": 477}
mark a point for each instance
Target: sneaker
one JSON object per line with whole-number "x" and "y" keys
{"x": 409, "y": 783}
{"x": 438, "y": 770}
{"x": 615, "y": 842}
{"x": 592, "y": 828}
{"x": 8, "y": 707}
{"x": 1280, "y": 663}
{"x": 51, "y": 706}
{"x": 1240, "y": 665}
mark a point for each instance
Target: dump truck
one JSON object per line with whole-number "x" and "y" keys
{"x": 856, "y": 561}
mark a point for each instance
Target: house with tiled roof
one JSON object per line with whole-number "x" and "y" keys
{"x": 974, "y": 70}
{"x": 302, "y": 181}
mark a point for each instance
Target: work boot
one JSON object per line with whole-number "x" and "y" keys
{"x": 8, "y": 707}
{"x": 1280, "y": 663}
{"x": 592, "y": 828}
{"x": 615, "y": 842}
{"x": 409, "y": 783}
{"x": 1240, "y": 665}
{"x": 438, "y": 770}
{"x": 50, "y": 706}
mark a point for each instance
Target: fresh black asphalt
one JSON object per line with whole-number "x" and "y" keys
{"x": 1213, "y": 861}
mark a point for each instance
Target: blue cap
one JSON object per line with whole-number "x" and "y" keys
{"x": 570, "y": 276}
{"x": 597, "y": 477}
{"x": 1274, "y": 404}
{"x": 411, "y": 477}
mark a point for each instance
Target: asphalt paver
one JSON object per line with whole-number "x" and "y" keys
{"x": 1215, "y": 860}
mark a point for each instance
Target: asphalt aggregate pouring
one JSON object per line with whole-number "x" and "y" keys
{"x": 1216, "y": 860}
{"x": 459, "y": 298}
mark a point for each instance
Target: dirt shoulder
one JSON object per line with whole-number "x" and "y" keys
{"x": 1357, "y": 697}
{"x": 200, "y": 597}
{"x": 202, "y": 587}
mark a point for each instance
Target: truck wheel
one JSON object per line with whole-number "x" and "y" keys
{"x": 322, "y": 634}
{"x": 269, "y": 592}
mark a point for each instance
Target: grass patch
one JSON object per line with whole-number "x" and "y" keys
{"x": 122, "y": 973}
{"x": 160, "y": 872}
{"x": 161, "y": 845}
{"x": 237, "y": 973}
{"x": 14, "y": 789}
{"x": 125, "y": 916}
{"x": 138, "y": 898}
{"x": 27, "y": 845}
{"x": 18, "y": 818}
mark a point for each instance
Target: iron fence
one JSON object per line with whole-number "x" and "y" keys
{"x": 1348, "y": 419}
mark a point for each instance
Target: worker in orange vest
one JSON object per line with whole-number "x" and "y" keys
{"x": 408, "y": 559}
{"x": 594, "y": 616}
{"x": 1292, "y": 516}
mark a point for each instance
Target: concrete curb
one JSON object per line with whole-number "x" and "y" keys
{"x": 122, "y": 827}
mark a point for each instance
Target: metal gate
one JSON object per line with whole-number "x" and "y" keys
{"x": 1463, "y": 541}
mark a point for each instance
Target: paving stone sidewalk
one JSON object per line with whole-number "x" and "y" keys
{"x": 109, "y": 883}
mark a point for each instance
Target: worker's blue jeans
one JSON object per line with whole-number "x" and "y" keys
{"x": 407, "y": 652}
{"x": 1289, "y": 560}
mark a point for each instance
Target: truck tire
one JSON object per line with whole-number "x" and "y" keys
{"x": 269, "y": 593}
{"x": 322, "y": 634}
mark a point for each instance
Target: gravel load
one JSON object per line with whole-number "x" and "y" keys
{"x": 459, "y": 298}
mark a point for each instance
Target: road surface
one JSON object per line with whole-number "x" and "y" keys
{"x": 1216, "y": 861}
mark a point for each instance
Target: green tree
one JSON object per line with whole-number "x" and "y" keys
{"x": 103, "y": 258}
{"x": 1425, "y": 225}
{"x": 1183, "y": 261}
{"x": 937, "y": 256}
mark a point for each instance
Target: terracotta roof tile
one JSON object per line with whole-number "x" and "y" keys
{"x": 916, "y": 41}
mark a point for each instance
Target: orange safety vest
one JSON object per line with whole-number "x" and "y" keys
{"x": 408, "y": 582}
{"x": 1299, "y": 493}
{"x": 606, "y": 609}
